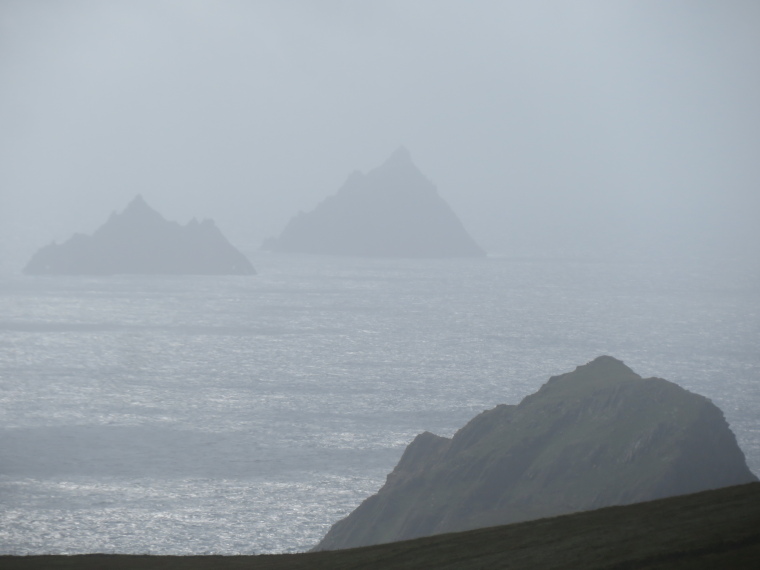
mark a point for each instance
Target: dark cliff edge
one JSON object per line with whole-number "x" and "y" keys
{"x": 141, "y": 241}
{"x": 595, "y": 437}
{"x": 392, "y": 211}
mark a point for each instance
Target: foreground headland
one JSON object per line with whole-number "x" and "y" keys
{"x": 707, "y": 530}
{"x": 595, "y": 437}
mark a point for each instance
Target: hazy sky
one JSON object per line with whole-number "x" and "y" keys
{"x": 556, "y": 126}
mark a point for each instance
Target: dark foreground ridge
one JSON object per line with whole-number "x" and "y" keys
{"x": 141, "y": 241}
{"x": 596, "y": 437}
{"x": 392, "y": 211}
{"x": 703, "y": 531}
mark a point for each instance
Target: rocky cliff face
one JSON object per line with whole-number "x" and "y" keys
{"x": 140, "y": 240}
{"x": 595, "y": 437}
{"x": 392, "y": 211}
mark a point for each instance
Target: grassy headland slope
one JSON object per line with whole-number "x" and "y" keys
{"x": 708, "y": 530}
{"x": 598, "y": 436}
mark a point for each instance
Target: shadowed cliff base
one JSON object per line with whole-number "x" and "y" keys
{"x": 392, "y": 211}
{"x": 708, "y": 530}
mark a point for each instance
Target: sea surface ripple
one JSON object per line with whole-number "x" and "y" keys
{"x": 240, "y": 415}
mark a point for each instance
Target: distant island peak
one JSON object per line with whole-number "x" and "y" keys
{"x": 140, "y": 240}
{"x": 391, "y": 211}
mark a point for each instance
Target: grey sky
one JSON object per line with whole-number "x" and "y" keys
{"x": 590, "y": 126}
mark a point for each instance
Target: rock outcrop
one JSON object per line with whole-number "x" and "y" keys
{"x": 595, "y": 437}
{"x": 392, "y": 211}
{"x": 141, "y": 241}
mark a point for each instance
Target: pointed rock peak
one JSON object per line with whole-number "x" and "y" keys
{"x": 597, "y": 373}
{"x": 355, "y": 176}
{"x": 398, "y": 164}
{"x": 606, "y": 363}
{"x": 139, "y": 210}
{"x": 400, "y": 156}
{"x": 354, "y": 179}
{"x": 604, "y": 370}
{"x": 138, "y": 204}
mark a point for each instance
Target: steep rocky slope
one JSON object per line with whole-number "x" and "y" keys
{"x": 595, "y": 437}
{"x": 392, "y": 211}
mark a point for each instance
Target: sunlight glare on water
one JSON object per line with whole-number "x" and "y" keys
{"x": 190, "y": 415}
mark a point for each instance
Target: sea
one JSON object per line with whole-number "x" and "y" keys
{"x": 247, "y": 414}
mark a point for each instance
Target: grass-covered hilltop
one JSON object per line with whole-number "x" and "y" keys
{"x": 711, "y": 530}
{"x": 595, "y": 437}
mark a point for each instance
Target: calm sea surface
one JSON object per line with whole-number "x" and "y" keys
{"x": 247, "y": 414}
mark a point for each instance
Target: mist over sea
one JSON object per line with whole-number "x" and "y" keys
{"x": 193, "y": 414}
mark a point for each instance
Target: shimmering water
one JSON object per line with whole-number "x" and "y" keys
{"x": 247, "y": 414}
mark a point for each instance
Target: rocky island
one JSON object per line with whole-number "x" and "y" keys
{"x": 598, "y": 436}
{"x": 141, "y": 241}
{"x": 392, "y": 211}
